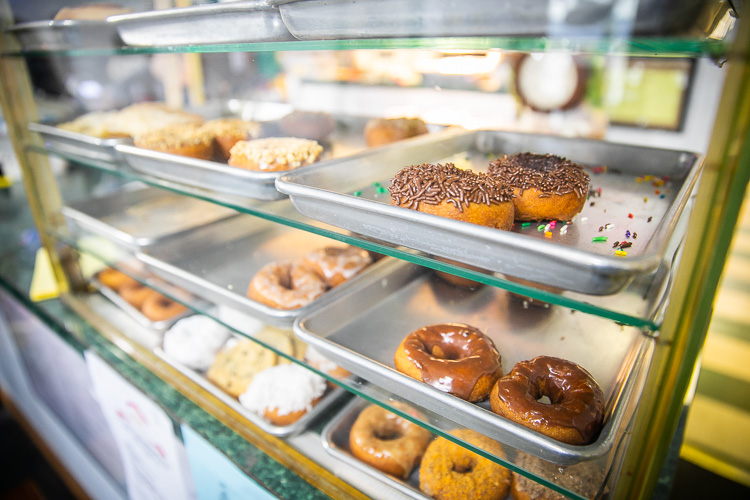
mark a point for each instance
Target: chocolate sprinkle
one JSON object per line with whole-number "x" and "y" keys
{"x": 434, "y": 183}
{"x": 549, "y": 174}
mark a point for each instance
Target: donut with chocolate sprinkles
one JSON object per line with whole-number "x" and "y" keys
{"x": 449, "y": 191}
{"x": 545, "y": 187}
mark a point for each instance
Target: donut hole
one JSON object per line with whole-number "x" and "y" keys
{"x": 547, "y": 392}
{"x": 388, "y": 434}
{"x": 465, "y": 466}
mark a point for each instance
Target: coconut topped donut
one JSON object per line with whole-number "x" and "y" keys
{"x": 449, "y": 191}
{"x": 545, "y": 187}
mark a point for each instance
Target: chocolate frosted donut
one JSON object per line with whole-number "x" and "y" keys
{"x": 449, "y": 191}
{"x": 576, "y": 410}
{"x": 452, "y": 357}
{"x": 545, "y": 187}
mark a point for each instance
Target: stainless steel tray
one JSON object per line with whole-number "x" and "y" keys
{"x": 332, "y": 397}
{"x": 392, "y": 303}
{"x": 233, "y": 22}
{"x": 570, "y": 262}
{"x": 335, "y": 437}
{"x": 141, "y": 217}
{"x": 77, "y": 144}
{"x": 344, "y": 19}
{"x": 218, "y": 262}
{"x": 66, "y": 34}
{"x": 114, "y": 297}
{"x": 346, "y": 140}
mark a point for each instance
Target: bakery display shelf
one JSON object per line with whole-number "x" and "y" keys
{"x": 345, "y": 139}
{"x": 331, "y": 399}
{"x": 138, "y": 217}
{"x": 636, "y": 195}
{"x": 217, "y": 263}
{"x": 78, "y": 144}
{"x": 639, "y": 304}
{"x": 410, "y": 298}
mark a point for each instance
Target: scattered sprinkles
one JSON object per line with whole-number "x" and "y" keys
{"x": 626, "y": 244}
{"x": 627, "y": 233}
{"x": 635, "y": 236}
{"x": 376, "y": 184}
{"x": 357, "y": 193}
{"x": 599, "y": 239}
{"x": 549, "y": 174}
{"x": 540, "y": 227}
{"x": 630, "y": 216}
{"x": 381, "y": 189}
{"x": 639, "y": 179}
{"x": 621, "y": 253}
{"x": 599, "y": 170}
{"x": 564, "y": 230}
{"x": 548, "y": 234}
{"x": 526, "y": 224}
{"x": 645, "y": 199}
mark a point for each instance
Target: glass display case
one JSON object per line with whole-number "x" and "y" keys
{"x": 624, "y": 288}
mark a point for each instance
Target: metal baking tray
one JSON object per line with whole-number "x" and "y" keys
{"x": 396, "y": 301}
{"x": 115, "y": 298}
{"x": 329, "y": 398}
{"x": 570, "y": 262}
{"x": 346, "y": 140}
{"x": 345, "y": 19}
{"x": 218, "y": 262}
{"x": 232, "y": 22}
{"x": 141, "y": 217}
{"x": 335, "y": 437}
{"x": 80, "y": 145}
{"x": 66, "y": 34}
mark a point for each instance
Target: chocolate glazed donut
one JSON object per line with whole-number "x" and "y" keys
{"x": 452, "y": 357}
{"x": 576, "y": 410}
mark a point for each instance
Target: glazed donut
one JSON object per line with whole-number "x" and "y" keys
{"x": 576, "y": 410}
{"x": 545, "y": 187}
{"x": 135, "y": 295}
{"x": 380, "y": 131}
{"x": 388, "y": 442}
{"x": 114, "y": 279}
{"x": 452, "y": 357}
{"x": 284, "y": 393}
{"x": 157, "y": 307}
{"x": 285, "y": 285}
{"x": 448, "y": 191}
{"x": 451, "y": 472}
{"x": 336, "y": 265}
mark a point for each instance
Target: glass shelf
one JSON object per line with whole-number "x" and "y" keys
{"x": 640, "y": 304}
{"x": 646, "y": 46}
{"x": 578, "y": 331}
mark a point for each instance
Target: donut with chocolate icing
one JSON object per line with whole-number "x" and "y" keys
{"x": 449, "y": 191}
{"x": 545, "y": 187}
{"x": 387, "y": 441}
{"x": 576, "y": 410}
{"x": 452, "y": 357}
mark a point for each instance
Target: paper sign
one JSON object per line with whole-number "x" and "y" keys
{"x": 214, "y": 475}
{"x": 152, "y": 455}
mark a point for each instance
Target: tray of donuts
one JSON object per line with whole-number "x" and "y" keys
{"x": 463, "y": 353}
{"x": 232, "y": 156}
{"x": 400, "y": 453}
{"x": 279, "y": 396}
{"x": 574, "y": 214}
{"x": 270, "y": 272}
{"x": 146, "y": 305}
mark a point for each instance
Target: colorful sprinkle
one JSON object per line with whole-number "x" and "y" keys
{"x": 656, "y": 191}
{"x": 552, "y": 224}
{"x": 645, "y": 199}
{"x": 526, "y": 224}
{"x": 626, "y": 244}
{"x": 627, "y": 233}
{"x": 547, "y": 228}
{"x": 592, "y": 203}
{"x": 601, "y": 228}
{"x": 658, "y": 183}
{"x": 648, "y": 178}
{"x": 635, "y": 236}
{"x": 661, "y": 196}
{"x": 376, "y": 184}
{"x": 564, "y": 229}
{"x": 548, "y": 234}
{"x": 357, "y": 193}
{"x": 381, "y": 189}
{"x": 598, "y": 239}
{"x": 639, "y": 179}
{"x": 608, "y": 225}
{"x": 540, "y": 227}
{"x": 630, "y": 216}
{"x": 621, "y": 253}
{"x": 617, "y": 243}
{"x": 599, "y": 170}
{"x": 584, "y": 219}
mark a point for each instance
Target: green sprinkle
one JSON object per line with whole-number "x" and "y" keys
{"x": 598, "y": 239}
{"x": 357, "y": 193}
{"x": 540, "y": 227}
{"x": 526, "y": 224}
{"x": 381, "y": 190}
{"x": 376, "y": 184}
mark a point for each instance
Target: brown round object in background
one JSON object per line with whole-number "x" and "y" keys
{"x": 388, "y": 442}
{"x": 451, "y": 472}
{"x": 183, "y": 139}
{"x": 228, "y": 131}
{"x": 114, "y": 279}
{"x": 315, "y": 125}
{"x": 455, "y": 280}
{"x": 135, "y": 295}
{"x": 545, "y": 187}
{"x": 451, "y": 192}
{"x": 575, "y": 413}
{"x": 452, "y": 357}
{"x": 157, "y": 307}
{"x": 380, "y": 131}
{"x": 285, "y": 285}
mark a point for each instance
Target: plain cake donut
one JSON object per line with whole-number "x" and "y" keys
{"x": 576, "y": 409}
{"x": 452, "y": 357}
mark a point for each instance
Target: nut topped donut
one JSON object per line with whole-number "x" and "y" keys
{"x": 545, "y": 187}
{"x": 576, "y": 410}
{"x": 449, "y": 191}
{"x": 452, "y": 357}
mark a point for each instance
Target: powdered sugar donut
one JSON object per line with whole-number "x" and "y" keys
{"x": 194, "y": 341}
{"x": 282, "y": 394}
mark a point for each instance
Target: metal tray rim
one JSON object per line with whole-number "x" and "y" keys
{"x": 194, "y": 10}
{"x": 55, "y": 132}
